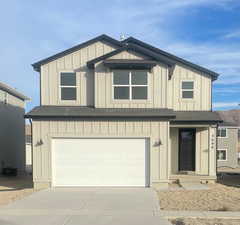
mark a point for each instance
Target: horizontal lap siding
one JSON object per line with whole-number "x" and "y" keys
{"x": 231, "y": 144}
{"x": 45, "y": 130}
{"x": 202, "y": 91}
{"x": 75, "y": 61}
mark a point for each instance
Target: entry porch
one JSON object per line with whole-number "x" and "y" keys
{"x": 193, "y": 153}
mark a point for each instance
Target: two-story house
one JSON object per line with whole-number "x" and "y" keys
{"x": 122, "y": 113}
{"x": 12, "y": 125}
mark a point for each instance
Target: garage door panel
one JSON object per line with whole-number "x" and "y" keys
{"x": 99, "y": 162}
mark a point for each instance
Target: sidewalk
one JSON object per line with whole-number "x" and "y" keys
{"x": 199, "y": 214}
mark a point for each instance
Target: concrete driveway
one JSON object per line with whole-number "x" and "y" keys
{"x": 83, "y": 206}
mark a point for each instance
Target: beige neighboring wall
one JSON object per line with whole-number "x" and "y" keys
{"x": 75, "y": 61}
{"x": 202, "y": 91}
{"x": 12, "y": 135}
{"x": 44, "y": 130}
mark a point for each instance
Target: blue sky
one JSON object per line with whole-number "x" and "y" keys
{"x": 206, "y": 32}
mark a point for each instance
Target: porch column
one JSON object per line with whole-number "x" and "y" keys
{"x": 212, "y": 150}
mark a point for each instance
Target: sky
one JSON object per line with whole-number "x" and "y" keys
{"x": 205, "y": 32}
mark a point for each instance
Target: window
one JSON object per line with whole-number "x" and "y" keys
{"x": 221, "y": 154}
{"x": 130, "y": 85}
{"x": 68, "y": 89}
{"x": 187, "y": 89}
{"x": 222, "y": 132}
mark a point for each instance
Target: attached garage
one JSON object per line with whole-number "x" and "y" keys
{"x": 100, "y": 162}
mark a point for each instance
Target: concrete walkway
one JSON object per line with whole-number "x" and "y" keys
{"x": 199, "y": 214}
{"x": 83, "y": 206}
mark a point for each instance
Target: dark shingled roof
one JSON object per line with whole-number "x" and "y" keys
{"x": 90, "y": 112}
{"x": 108, "y": 113}
{"x": 135, "y": 48}
{"x": 129, "y": 41}
{"x": 171, "y": 56}
{"x": 228, "y": 124}
{"x": 196, "y": 116}
{"x": 13, "y": 92}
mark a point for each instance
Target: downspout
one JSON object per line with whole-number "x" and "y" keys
{"x": 216, "y": 145}
{"x": 30, "y": 120}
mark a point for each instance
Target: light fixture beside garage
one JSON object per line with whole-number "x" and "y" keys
{"x": 39, "y": 143}
{"x": 157, "y": 143}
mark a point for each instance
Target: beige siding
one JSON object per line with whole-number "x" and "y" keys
{"x": 75, "y": 61}
{"x": 12, "y": 132}
{"x": 157, "y": 87}
{"x": 202, "y": 90}
{"x": 230, "y": 143}
{"x": 202, "y": 151}
{"x": 44, "y": 130}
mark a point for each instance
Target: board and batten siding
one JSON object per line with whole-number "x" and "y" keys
{"x": 157, "y": 86}
{"x": 45, "y": 130}
{"x": 202, "y": 90}
{"x": 76, "y": 61}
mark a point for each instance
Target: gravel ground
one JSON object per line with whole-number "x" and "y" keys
{"x": 204, "y": 222}
{"x": 13, "y": 188}
{"x": 224, "y": 196}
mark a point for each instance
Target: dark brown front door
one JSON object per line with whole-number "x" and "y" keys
{"x": 187, "y": 149}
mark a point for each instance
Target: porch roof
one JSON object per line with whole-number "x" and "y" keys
{"x": 196, "y": 116}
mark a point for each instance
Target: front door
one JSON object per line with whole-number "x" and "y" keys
{"x": 187, "y": 149}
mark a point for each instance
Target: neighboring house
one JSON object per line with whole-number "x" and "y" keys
{"x": 122, "y": 113}
{"x": 12, "y": 135}
{"x": 227, "y": 145}
{"x": 28, "y": 139}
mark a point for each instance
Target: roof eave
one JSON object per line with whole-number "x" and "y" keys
{"x": 200, "y": 68}
{"x": 37, "y": 65}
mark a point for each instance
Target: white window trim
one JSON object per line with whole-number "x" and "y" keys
{"x": 60, "y": 86}
{"x": 193, "y": 90}
{"x": 223, "y": 160}
{"x": 220, "y": 128}
{"x": 130, "y": 85}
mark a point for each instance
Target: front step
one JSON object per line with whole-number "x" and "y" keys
{"x": 195, "y": 179}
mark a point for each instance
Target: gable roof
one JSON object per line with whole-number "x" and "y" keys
{"x": 102, "y": 37}
{"x": 134, "y": 48}
{"x": 134, "y": 42}
{"x": 171, "y": 56}
{"x": 13, "y": 92}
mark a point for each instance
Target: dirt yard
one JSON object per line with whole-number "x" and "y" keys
{"x": 13, "y": 188}
{"x": 204, "y": 222}
{"x": 223, "y": 196}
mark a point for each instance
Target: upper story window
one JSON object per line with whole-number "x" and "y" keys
{"x": 130, "y": 85}
{"x": 68, "y": 87}
{"x": 188, "y": 89}
{"x": 222, "y": 132}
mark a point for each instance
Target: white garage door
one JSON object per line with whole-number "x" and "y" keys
{"x": 100, "y": 162}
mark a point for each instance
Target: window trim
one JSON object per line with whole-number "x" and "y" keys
{"x": 68, "y": 86}
{"x": 193, "y": 90}
{"x": 221, "y": 128}
{"x": 130, "y": 86}
{"x": 223, "y": 160}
